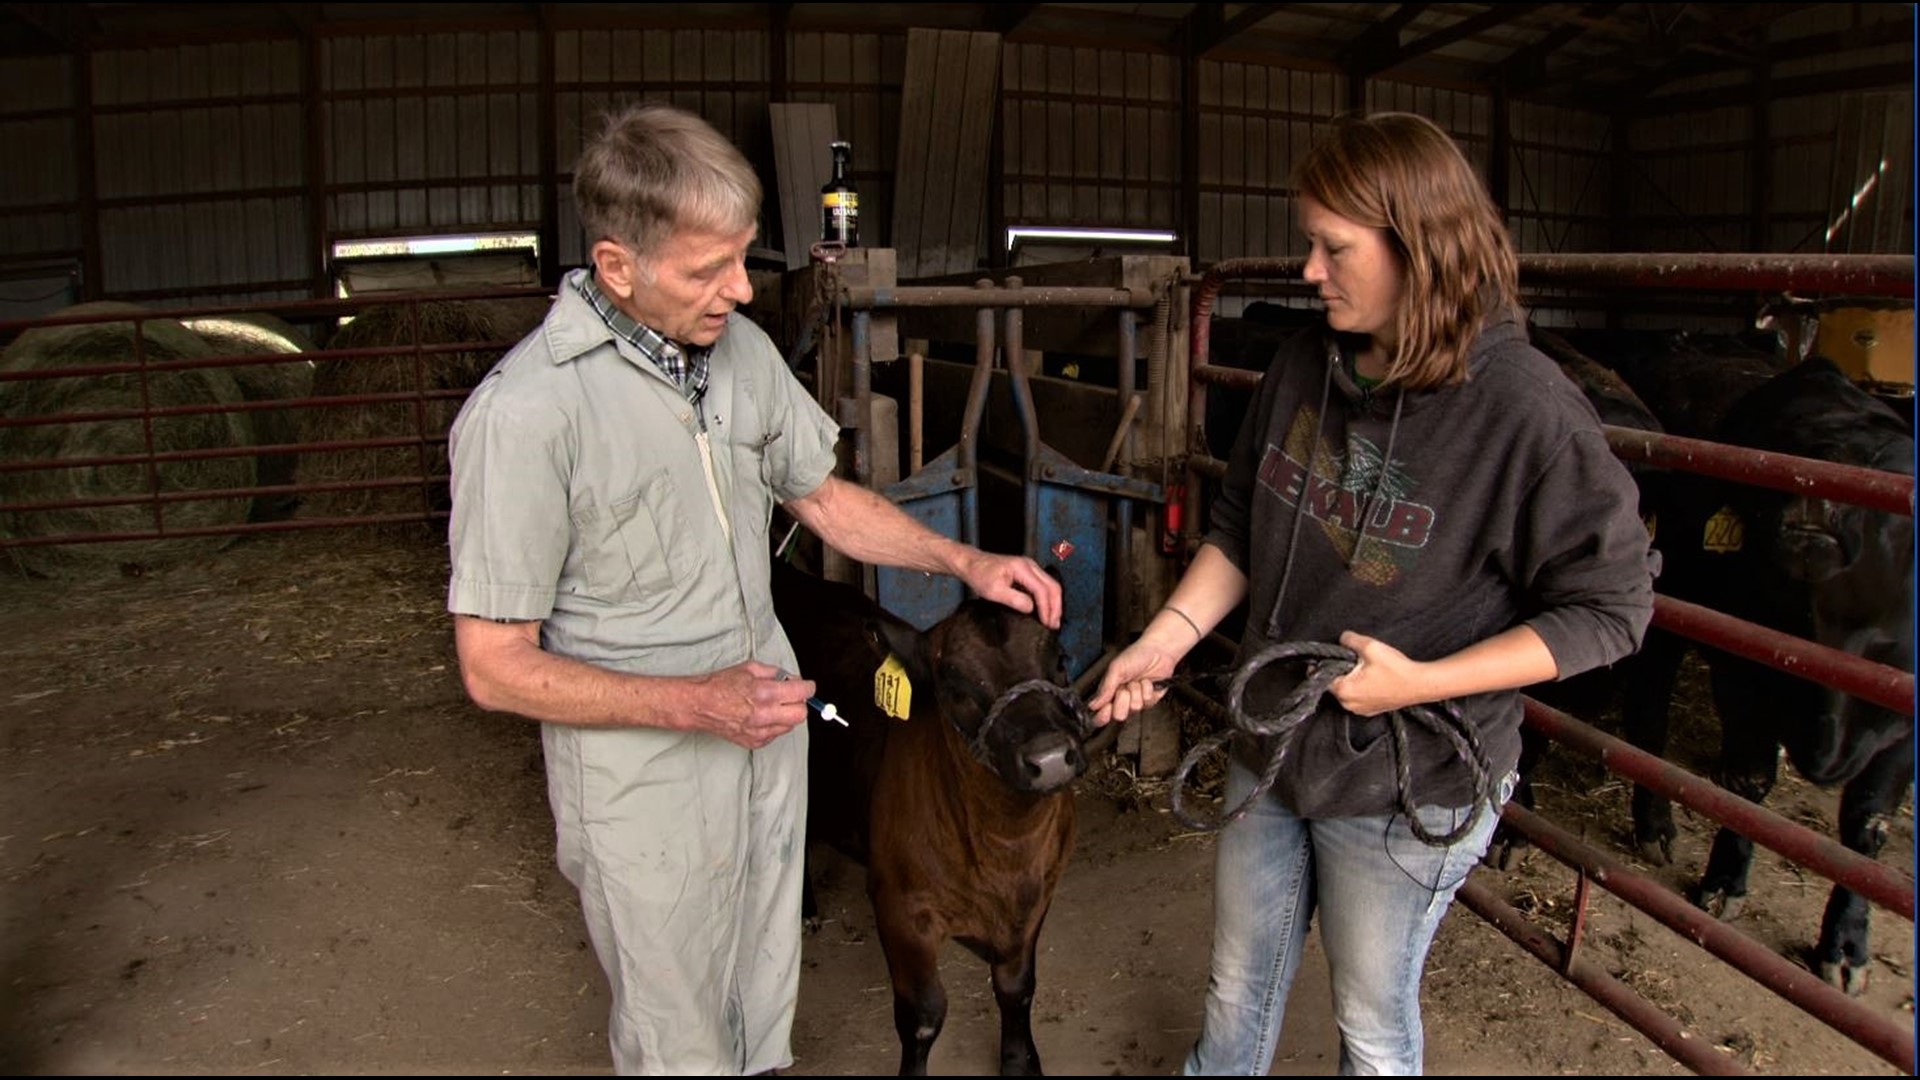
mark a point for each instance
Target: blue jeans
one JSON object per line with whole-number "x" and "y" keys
{"x": 1380, "y": 892}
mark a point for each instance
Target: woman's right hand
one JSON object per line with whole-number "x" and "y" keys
{"x": 1128, "y": 685}
{"x": 1206, "y": 593}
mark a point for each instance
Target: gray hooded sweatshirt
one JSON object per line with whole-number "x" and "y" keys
{"x": 1489, "y": 503}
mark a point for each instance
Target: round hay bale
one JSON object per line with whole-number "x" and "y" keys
{"x": 440, "y": 323}
{"x": 49, "y": 350}
{"x": 257, "y": 333}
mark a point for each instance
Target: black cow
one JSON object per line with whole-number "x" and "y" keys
{"x": 1644, "y": 679}
{"x": 1829, "y": 572}
{"x": 961, "y": 812}
{"x": 1248, "y": 343}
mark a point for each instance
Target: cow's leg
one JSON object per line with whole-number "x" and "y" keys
{"x": 809, "y": 901}
{"x": 1013, "y": 982}
{"x": 1507, "y": 843}
{"x": 1750, "y": 763}
{"x": 1841, "y": 955}
{"x": 919, "y": 998}
{"x": 1647, "y": 697}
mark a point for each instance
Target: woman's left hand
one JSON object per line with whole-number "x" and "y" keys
{"x": 1383, "y": 680}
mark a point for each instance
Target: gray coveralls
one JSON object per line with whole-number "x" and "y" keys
{"x": 583, "y": 498}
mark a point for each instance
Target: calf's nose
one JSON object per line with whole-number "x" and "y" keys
{"x": 1051, "y": 761}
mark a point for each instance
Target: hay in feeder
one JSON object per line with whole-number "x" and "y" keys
{"x": 49, "y": 350}
{"x": 449, "y": 374}
{"x": 255, "y": 334}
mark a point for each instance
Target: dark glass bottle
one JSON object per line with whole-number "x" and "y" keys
{"x": 839, "y": 202}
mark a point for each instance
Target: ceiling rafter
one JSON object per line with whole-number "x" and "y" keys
{"x": 1674, "y": 62}
{"x": 1806, "y": 46}
{"x": 65, "y": 26}
{"x": 1648, "y": 65}
{"x": 1877, "y": 77}
{"x": 1585, "y": 53}
{"x": 1208, "y": 26}
{"x": 1382, "y": 37}
{"x": 1007, "y": 19}
{"x": 1527, "y": 67}
{"x": 1386, "y": 53}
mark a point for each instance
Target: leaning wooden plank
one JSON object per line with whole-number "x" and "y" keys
{"x": 943, "y": 161}
{"x": 803, "y": 158}
{"x": 911, "y": 164}
{"x": 969, "y": 167}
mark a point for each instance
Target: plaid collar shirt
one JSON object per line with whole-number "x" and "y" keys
{"x": 685, "y": 366}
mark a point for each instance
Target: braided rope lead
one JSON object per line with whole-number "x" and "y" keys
{"x": 1325, "y": 663}
{"x": 1082, "y": 716}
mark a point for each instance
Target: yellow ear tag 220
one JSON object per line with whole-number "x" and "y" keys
{"x": 892, "y": 692}
{"x": 1724, "y": 532}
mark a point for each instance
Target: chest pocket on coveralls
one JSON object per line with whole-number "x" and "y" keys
{"x": 752, "y": 469}
{"x": 625, "y": 542}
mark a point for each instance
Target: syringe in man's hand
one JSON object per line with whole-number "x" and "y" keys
{"x": 827, "y": 710}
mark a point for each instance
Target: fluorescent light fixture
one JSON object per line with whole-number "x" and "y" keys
{"x": 436, "y": 245}
{"x": 1058, "y": 232}
{"x": 1858, "y": 196}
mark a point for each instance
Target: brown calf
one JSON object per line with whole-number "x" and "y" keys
{"x": 961, "y": 812}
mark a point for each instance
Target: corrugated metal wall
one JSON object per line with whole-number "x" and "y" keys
{"x": 203, "y": 188}
{"x": 38, "y": 217}
{"x": 1688, "y": 186}
{"x": 1691, "y": 175}
{"x": 1559, "y": 175}
{"x": 1254, "y": 123}
{"x": 721, "y": 74}
{"x": 860, "y": 75}
{"x": 200, "y": 162}
{"x": 1089, "y": 137}
{"x": 430, "y": 132}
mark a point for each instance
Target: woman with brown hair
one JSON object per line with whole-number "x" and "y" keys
{"x": 1417, "y": 483}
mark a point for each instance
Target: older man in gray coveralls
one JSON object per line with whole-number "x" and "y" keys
{"x": 613, "y": 481}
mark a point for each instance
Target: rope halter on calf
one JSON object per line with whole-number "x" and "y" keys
{"x": 1082, "y": 717}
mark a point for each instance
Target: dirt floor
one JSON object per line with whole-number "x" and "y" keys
{"x": 249, "y": 824}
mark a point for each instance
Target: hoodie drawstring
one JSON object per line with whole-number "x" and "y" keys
{"x": 1380, "y": 481}
{"x": 1300, "y": 503}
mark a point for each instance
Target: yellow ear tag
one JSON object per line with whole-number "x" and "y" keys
{"x": 892, "y": 692}
{"x": 1724, "y": 533}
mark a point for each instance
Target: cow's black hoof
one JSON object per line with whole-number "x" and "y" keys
{"x": 1020, "y": 1058}
{"x": 810, "y": 925}
{"x": 1850, "y": 978}
{"x": 1653, "y": 835}
{"x": 1503, "y": 854}
{"x": 1720, "y": 904}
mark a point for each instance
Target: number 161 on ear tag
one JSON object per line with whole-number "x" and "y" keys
{"x": 892, "y": 692}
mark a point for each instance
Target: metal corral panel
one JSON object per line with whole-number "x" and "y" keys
{"x": 924, "y": 599}
{"x": 1069, "y": 537}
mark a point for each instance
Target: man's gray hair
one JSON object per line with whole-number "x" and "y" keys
{"x": 654, "y": 168}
